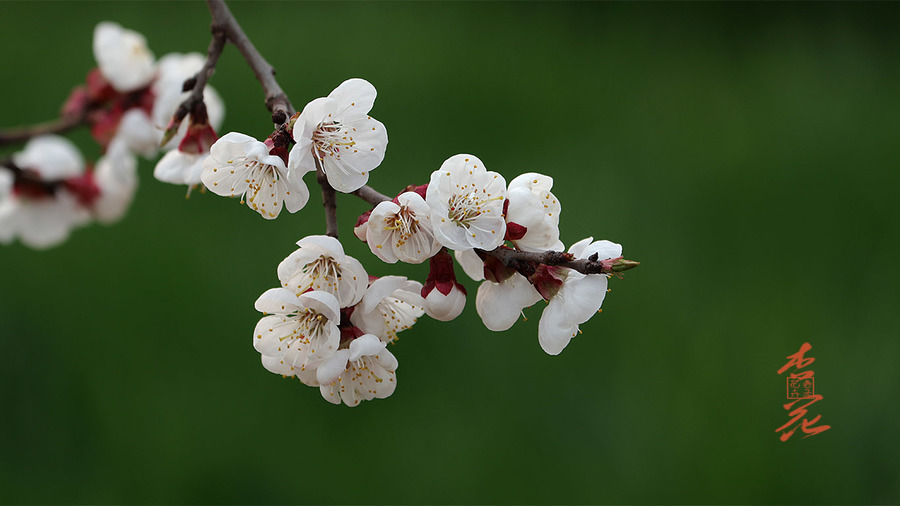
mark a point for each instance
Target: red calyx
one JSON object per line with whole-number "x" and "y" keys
{"x": 441, "y": 275}
{"x": 412, "y": 188}
{"x": 29, "y": 185}
{"x": 199, "y": 138}
{"x": 363, "y": 218}
{"x": 514, "y": 231}
{"x": 98, "y": 88}
{"x": 495, "y": 271}
{"x": 548, "y": 279}
{"x": 84, "y": 188}
{"x": 77, "y": 103}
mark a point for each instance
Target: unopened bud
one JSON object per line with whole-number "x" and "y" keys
{"x": 171, "y": 129}
{"x": 620, "y": 264}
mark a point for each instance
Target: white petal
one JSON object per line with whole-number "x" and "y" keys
{"x": 116, "y": 177}
{"x": 123, "y": 57}
{"x": 603, "y": 249}
{"x": 139, "y": 134}
{"x": 276, "y": 365}
{"x": 329, "y": 370}
{"x": 445, "y": 307}
{"x": 354, "y": 95}
{"x": 332, "y": 245}
{"x": 555, "y": 330}
{"x": 268, "y": 331}
{"x": 578, "y": 248}
{"x": 365, "y": 345}
{"x": 582, "y": 295}
{"x": 322, "y": 302}
{"x": 51, "y": 156}
{"x": 471, "y": 263}
{"x": 277, "y": 301}
{"x": 500, "y": 304}
{"x": 379, "y": 289}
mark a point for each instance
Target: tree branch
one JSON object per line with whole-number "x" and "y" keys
{"x": 194, "y": 104}
{"x": 526, "y": 260}
{"x": 519, "y": 260}
{"x": 329, "y": 202}
{"x": 276, "y": 101}
{"x": 51, "y": 127}
{"x": 371, "y": 195}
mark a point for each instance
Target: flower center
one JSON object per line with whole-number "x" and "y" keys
{"x": 330, "y": 138}
{"x": 311, "y": 326}
{"x": 324, "y": 274}
{"x": 463, "y": 208}
{"x": 258, "y": 174}
{"x": 404, "y": 223}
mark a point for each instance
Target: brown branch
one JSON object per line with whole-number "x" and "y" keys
{"x": 51, "y": 127}
{"x": 329, "y": 202}
{"x": 194, "y": 104}
{"x": 370, "y": 195}
{"x": 525, "y": 261}
{"x": 276, "y": 101}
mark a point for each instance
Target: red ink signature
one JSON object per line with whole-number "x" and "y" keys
{"x": 801, "y": 386}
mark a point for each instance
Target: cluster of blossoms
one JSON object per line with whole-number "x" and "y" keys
{"x": 128, "y": 100}
{"x": 334, "y": 134}
{"x": 328, "y": 323}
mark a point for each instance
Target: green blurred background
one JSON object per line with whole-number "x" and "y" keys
{"x": 745, "y": 153}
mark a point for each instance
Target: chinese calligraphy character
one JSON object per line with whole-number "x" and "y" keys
{"x": 801, "y": 385}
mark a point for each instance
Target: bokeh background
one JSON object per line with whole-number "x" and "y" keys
{"x": 745, "y": 153}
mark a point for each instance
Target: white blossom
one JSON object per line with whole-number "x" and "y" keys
{"x": 239, "y": 165}
{"x": 390, "y": 305}
{"x": 136, "y": 130}
{"x": 123, "y": 57}
{"x": 116, "y": 176}
{"x": 500, "y": 304}
{"x": 445, "y": 307}
{"x": 402, "y": 231}
{"x": 336, "y": 134}
{"x": 466, "y": 204}
{"x": 534, "y": 207}
{"x": 579, "y": 298}
{"x": 362, "y": 372}
{"x": 42, "y": 219}
{"x": 174, "y": 69}
{"x": 178, "y": 167}
{"x": 471, "y": 263}
{"x": 320, "y": 264}
{"x": 299, "y": 333}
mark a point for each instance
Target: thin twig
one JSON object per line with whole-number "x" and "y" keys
{"x": 371, "y": 195}
{"x": 194, "y": 104}
{"x": 517, "y": 259}
{"x": 276, "y": 101}
{"x": 51, "y": 127}
{"x": 329, "y": 202}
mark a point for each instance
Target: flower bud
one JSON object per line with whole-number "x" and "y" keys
{"x": 445, "y": 307}
{"x": 444, "y": 297}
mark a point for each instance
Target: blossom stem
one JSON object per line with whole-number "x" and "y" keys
{"x": 276, "y": 101}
